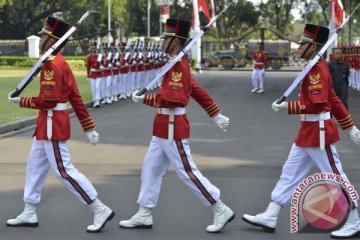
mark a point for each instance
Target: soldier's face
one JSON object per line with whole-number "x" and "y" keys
{"x": 169, "y": 45}
{"x": 46, "y": 42}
{"x": 306, "y": 50}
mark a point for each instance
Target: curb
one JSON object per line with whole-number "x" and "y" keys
{"x": 20, "y": 124}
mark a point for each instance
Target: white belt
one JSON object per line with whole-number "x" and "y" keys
{"x": 171, "y": 112}
{"x": 58, "y": 107}
{"x": 175, "y": 111}
{"x": 259, "y": 63}
{"x": 321, "y": 117}
{"x": 315, "y": 117}
{"x": 95, "y": 70}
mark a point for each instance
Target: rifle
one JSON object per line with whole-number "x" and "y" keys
{"x": 99, "y": 52}
{"x": 54, "y": 48}
{"x": 127, "y": 53}
{"x": 181, "y": 52}
{"x": 314, "y": 60}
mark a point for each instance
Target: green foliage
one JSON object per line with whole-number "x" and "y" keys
{"x": 3, "y": 2}
{"x": 9, "y": 78}
{"x": 75, "y": 62}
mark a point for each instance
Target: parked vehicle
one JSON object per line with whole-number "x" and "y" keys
{"x": 278, "y": 53}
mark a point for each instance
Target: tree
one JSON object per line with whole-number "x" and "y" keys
{"x": 3, "y": 2}
{"x": 277, "y": 13}
{"x": 23, "y": 18}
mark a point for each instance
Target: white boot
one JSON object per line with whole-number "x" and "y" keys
{"x": 350, "y": 229}
{"x": 261, "y": 90}
{"x": 222, "y": 215}
{"x": 142, "y": 219}
{"x": 102, "y": 214}
{"x": 27, "y": 218}
{"x": 267, "y": 220}
{"x": 254, "y": 89}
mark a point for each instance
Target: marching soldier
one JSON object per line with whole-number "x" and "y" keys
{"x": 315, "y": 141}
{"x": 132, "y": 67}
{"x": 126, "y": 60}
{"x": 169, "y": 144}
{"x": 140, "y": 66}
{"x": 123, "y": 71}
{"x": 49, "y": 149}
{"x": 107, "y": 74}
{"x": 94, "y": 74}
{"x": 115, "y": 72}
{"x": 259, "y": 65}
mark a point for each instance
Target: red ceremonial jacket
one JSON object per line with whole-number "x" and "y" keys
{"x": 174, "y": 92}
{"x": 260, "y": 59}
{"x": 57, "y": 85}
{"x": 124, "y": 67}
{"x": 202, "y": 97}
{"x": 316, "y": 96}
{"x": 92, "y": 66}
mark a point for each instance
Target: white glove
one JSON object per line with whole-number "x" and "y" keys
{"x": 222, "y": 121}
{"x": 13, "y": 99}
{"x": 137, "y": 98}
{"x": 88, "y": 79}
{"x": 354, "y": 133}
{"x": 277, "y": 107}
{"x": 93, "y": 137}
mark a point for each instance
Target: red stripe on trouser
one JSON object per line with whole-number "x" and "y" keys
{"x": 336, "y": 171}
{"x": 192, "y": 176}
{"x": 66, "y": 176}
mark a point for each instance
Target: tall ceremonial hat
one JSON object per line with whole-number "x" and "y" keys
{"x": 55, "y": 27}
{"x": 176, "y": 28}
{"x": 315, "y": 34}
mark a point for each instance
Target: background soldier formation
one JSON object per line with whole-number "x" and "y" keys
{"x": 115, "y": 71}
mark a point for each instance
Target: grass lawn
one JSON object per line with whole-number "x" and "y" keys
{"x": 9, "y": 79}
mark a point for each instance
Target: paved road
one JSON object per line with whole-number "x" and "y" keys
{"x": 244, "y": 163}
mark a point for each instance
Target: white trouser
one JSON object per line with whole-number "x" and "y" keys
{"x": 103, "y": 87}
{"x": 126, "y": 82}
{"x": 297, "y": 166}
{"x": 141, "y": 79}
{"x": 55, "y": 154}
{"x": 257, "y": 78}
{"x": 160, "y": 155}
{"x": 121, "y": 83}
{"x": 132, "y": 81}
{"x": 114, "y": 85}
{"x": 108, "y": 91}
{"x": 148, "y": 77}
{"x": 95, "y": 88}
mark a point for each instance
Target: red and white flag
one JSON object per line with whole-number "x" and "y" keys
{"x": 337, "y": 14}
{"x": 201, "y": 6}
